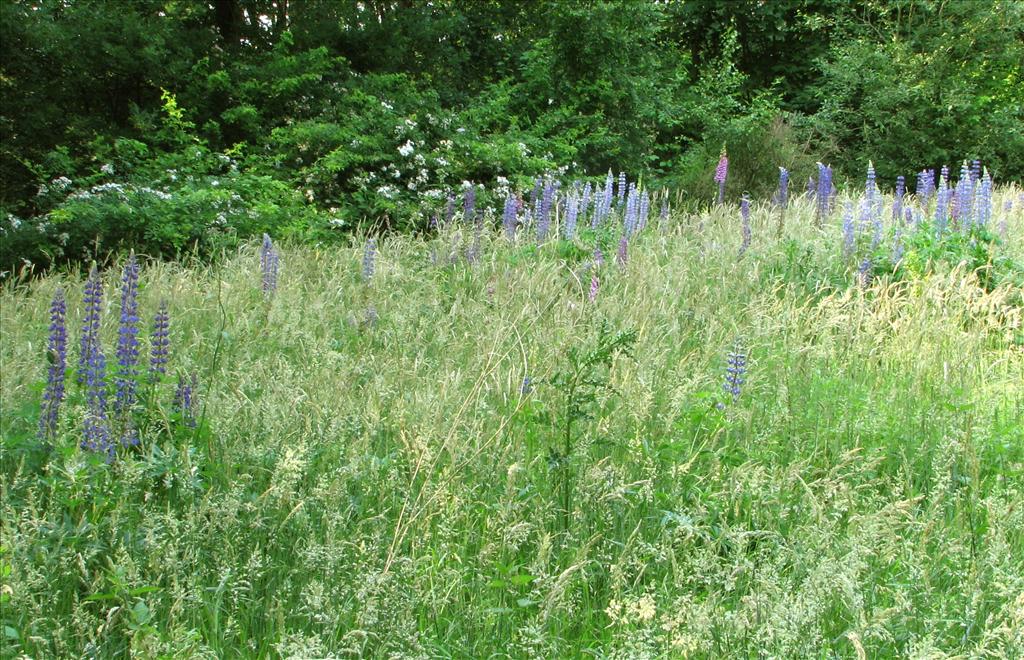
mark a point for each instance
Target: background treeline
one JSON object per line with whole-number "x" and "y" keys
{"x": 174, "y": 125}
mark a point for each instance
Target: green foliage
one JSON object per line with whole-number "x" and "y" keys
{"x": 365, "y": 107}
{"x": 976, "y": 251}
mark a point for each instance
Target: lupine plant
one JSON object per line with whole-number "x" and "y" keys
{"x": 159, "y": 344}
{"x": 721, "y": 174}
{"x": 369, "y": 258}
{"x": 745, "y": 217}
{"x": 57, "y": 360}
{"x": 735, "y": 370}
{"x": 269, "y": 263}
{"x": 127, "y": 374}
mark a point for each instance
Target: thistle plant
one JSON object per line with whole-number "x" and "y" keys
{"x": 721, "y": 174}
{"x": 159, "y": 344}
{"x": 585, "y": 377}
{"x": 57, "y": 359}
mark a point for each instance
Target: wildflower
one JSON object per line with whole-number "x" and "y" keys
{"x": 864, "y": 272}
{"x": 782, "y": 195}
{"x": 185, "y": 399}
{"x": 585, "y": 202}
{"x": 622, "y": 256}
{"x": 126, "y": 377}
{"x": 622, "y": 188}
{"x": 849, "y": 231}
{"x": 721, "y": 173}
{"x": 544, "y": 211}
{"x": 508, "y": 217}
{"x": 571, "y": 210}
{"x": 57, "y": 358}
{"x": 449, "y": 210}
{"x": 96, "y": 432}
{"x": 93, "y": 300}
{"x": 527, "y": 386}
{"x": 369, "y": 257}
{"x": 159, "y": 345}
{"x": 897, "y": 202}
{"x": 735, "y": 370}
{"x": 469, "y": 203}
{"x": 406, "y": 148}
{"x": 983, "y": 200}
{"x": 824, "y": 193}
{"x": 473, "y": 253}
{"x": 941, "y": 206}
{"x": 745, "y": 215}
{"x": 594, "y": 284}
{"x": 269, "y": 262}
{"x": 598, "y": 257}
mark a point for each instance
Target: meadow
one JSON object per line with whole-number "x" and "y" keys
{"x": 776, "y": 429}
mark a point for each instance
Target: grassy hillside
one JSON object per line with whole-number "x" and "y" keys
{"x": 476, "y": 459}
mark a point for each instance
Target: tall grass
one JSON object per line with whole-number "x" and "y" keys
{"x": 385, "y": 486}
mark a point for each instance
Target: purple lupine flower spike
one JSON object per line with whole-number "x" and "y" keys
{"x": 735, "y": 371}
{"x": 508, "y": 217}
{"x": 185, "y": 399}
{"x": 897, "y": 202}
{"x": 369, "y": 258}
{"x": 126, "y": 376}
{"x": 57, "y": 360}
{"x": 469, "y": 204}
{"x": 269, "y": 263}
{"x": 594, "y": 285}
{"x": 159, "y": 346}
{"x": 849, "y": 230}
{"x": 96, "y": 431}
{"x": 93, "y": 300}
{"x": 864, "y": 272}
{"x": 782, "y": 196}
{"x": 745, "y": 215}
{"x": 571, "y": 211}
{"x": 721, "y": 173}
{"x": 623, "y": 254}
{"x": 824, "y": 193}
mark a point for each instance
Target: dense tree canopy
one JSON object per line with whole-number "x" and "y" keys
{"x": 358, "y": 108}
